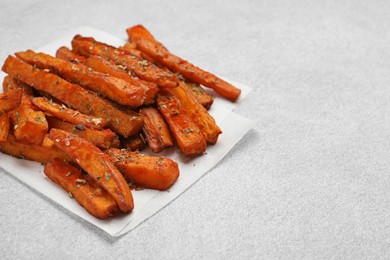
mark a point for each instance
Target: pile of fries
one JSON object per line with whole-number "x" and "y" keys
{"x": 86, "y": 113}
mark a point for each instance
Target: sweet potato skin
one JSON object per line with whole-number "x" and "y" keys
{"x": 42, "y": 153}
{"x": 101, "y": 138}
{"x": 149, "y": 45}
{"x": 150, "y": 172}
{"x": 124, "y": 122}
{"x": 89, "y": 195}
{"x": 107, "y": 86}
{"x": 92, "y": 160}
{"x": 187, "y": 134}
{"x": 67, "y": 114}
{"x": 145, "y": 70}
{"x": 155, "y": 129}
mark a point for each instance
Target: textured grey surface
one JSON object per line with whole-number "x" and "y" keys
{"x": 311, "y": 180}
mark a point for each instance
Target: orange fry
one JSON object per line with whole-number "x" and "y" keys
{"x": 198, "y": 113}
{"x": 149, "y": 45}
{"x": 150, "y": 172}
{"x": 84, "y": 189}
{"x": 68, "y": 114}
{"x": 155, "y": 129}
{"x": 109, "y": 87}
{"x": 65, "y": 54}
{"x": 106, "y": 66}
{"x": 123, "y": 122}
{"x": 97, "y": 165}
{"x": 142, "y": 68}
{"x": 187, "y": 134}
{"x": 41, "y": 153}
{"x": 134, "y": 143}
{"x": 101, "y": 138}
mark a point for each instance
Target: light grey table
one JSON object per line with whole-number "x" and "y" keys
{"x": 311, "y": 180}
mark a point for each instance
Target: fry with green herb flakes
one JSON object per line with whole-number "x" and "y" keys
{"x": 41, "y": 153}
{"x": 187, "y": 134}
{"x": 145, "y": 42}
{"x": 155, "y": 129}
{"x": 145, "y": 70}
{"x": 118, "y": 71}
{"x": 101, "y": 138}
{"x": 68, "y": 114}
{"x": 29, "y": 124}
{"x": 198, "y": 113}
{"x": 92, "y": 160}
{"x": 84, "y": 189}
{"x": 110, "y": 87}
{"x": 150, "y": 172}
{"x": 123, "y": 122}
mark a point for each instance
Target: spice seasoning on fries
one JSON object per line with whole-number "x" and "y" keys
{"x": 87, "y": 112}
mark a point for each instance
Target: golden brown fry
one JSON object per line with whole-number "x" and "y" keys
{"x": 65, "y": 53}
{"x": 101, "y": 138}
{"x": 134, "y": 143}
{"x": 106, "y": 66}
{"x": 10, "y": 100}
{"x": 110, "y": 87}
{"x": 97, "y": 165}
{"x": 155, "y": 129}
{"x": 145, "y": 70}
{"x": 198, "y": 113}
{"x": 4, "y": 126}
{"x": 123, "y": 122}
{"x": 81, "y": 187}
{"x": 68, "y": 114}
{"x": 42, "y": 153}
{"x": 187, "y": 134}
{"x": 147, "y": 171}
{"x": 149, "y": 45}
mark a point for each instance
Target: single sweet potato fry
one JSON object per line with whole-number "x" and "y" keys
{"x": 108, "y": 67}
{"x": 68, "y": 114}
{"x": 155, "y": 129}
{"x": 187, "y": 134}
{"x": 101, "y": 138}
{"x": 149, "y": 45}
{"x": 65, "y": 53}
{"x": 10, "y": 100}
{"x": 42, "y": 153}
{"x": 134, "y": 143}
{"x": 4, "y": 126}
{"x": 198, "y": 113}
{"x": 150, "y": 172}
{"x": 81, "y": 187}
{"x": 123, "y": 122}
{"x": 142, "y": 68}
{"x": 112, "y": 88}
{"x": 97, "y": 165}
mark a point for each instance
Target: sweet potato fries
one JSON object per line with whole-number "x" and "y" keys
{"x": 88, "y": 111}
